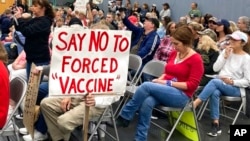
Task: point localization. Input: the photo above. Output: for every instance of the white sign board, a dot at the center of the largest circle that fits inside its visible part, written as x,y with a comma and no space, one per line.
89,61
80,5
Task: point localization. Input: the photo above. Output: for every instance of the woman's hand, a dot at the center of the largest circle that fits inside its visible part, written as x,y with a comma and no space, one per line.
18,13
159,81
228,51
227,80
37,70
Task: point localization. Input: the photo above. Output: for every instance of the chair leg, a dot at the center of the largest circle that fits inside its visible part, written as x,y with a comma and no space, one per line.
203,108
175,124
236,117
114,123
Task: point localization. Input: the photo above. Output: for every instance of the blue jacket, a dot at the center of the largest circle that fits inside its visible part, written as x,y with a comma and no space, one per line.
149,44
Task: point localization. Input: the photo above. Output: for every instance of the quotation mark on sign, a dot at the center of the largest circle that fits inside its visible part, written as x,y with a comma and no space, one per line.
54,76
118,76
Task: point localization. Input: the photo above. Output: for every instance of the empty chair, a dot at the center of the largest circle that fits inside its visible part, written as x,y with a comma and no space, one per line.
17,92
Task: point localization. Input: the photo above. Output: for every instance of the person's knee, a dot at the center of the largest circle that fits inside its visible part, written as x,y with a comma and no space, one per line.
44,103
63,123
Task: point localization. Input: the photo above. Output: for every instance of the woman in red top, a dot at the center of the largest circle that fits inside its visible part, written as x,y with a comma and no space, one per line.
4,86
174,88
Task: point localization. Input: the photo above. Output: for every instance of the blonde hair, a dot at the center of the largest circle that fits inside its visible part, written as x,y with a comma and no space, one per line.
3,54
100,25
196,26
233,26
207,43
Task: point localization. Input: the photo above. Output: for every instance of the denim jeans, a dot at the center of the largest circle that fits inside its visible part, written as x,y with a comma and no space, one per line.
213,90
146,97
43,91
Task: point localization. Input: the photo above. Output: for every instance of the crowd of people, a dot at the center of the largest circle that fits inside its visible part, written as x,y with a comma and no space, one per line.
194,48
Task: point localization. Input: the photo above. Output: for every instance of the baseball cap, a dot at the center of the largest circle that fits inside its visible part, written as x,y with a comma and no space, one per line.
210,33
214,19
74,21
154,5
223,22
154,21
238,35
133,19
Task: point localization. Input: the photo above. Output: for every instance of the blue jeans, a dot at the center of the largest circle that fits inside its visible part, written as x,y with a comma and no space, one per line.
43,91
213,90
146,97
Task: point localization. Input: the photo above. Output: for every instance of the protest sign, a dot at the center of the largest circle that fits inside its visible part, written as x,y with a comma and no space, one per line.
187,125
89,61
29,113
80,5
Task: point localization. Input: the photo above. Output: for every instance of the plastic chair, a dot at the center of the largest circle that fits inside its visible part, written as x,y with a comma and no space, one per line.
18,88
135,63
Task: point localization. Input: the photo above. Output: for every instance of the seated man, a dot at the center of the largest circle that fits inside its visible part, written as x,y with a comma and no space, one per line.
63,115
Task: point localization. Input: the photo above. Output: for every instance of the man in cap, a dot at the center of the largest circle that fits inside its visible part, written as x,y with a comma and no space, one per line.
210,33
212,23
145,40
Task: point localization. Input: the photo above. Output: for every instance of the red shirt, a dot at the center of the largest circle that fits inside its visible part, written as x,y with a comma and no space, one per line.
189,70
4,93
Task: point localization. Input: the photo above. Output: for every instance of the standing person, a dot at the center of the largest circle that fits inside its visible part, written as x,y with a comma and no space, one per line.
233,78
36,32
194,12
174,88
4,86
165,11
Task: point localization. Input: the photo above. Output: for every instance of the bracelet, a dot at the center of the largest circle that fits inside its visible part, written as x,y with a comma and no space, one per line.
169,83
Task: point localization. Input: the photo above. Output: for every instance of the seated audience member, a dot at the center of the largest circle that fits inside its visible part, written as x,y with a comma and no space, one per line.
195,27
4,86
209,53
223,29
174,88
18,67
243,23
63,115
166,47
145,41
234,76
212,23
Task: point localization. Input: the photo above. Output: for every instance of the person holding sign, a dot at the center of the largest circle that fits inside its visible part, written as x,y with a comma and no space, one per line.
36,31
234,76
183,72
63,115
4,86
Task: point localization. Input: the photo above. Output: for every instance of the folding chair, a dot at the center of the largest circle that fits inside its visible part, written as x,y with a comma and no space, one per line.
186,108
223,106
18,88
106,116
135,63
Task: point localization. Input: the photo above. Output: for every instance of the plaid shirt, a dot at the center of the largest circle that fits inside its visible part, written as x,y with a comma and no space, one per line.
164,49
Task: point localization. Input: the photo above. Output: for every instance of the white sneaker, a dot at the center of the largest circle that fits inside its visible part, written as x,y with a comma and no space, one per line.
19,116
38,136
23,131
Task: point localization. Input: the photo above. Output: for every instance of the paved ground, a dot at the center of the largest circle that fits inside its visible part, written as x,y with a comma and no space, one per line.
155,134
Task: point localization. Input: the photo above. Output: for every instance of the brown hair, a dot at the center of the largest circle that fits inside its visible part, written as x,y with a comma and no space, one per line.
48,8
3,54
184,34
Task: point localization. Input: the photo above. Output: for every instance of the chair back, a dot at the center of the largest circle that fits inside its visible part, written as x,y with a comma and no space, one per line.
154,68
18,88
135,63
